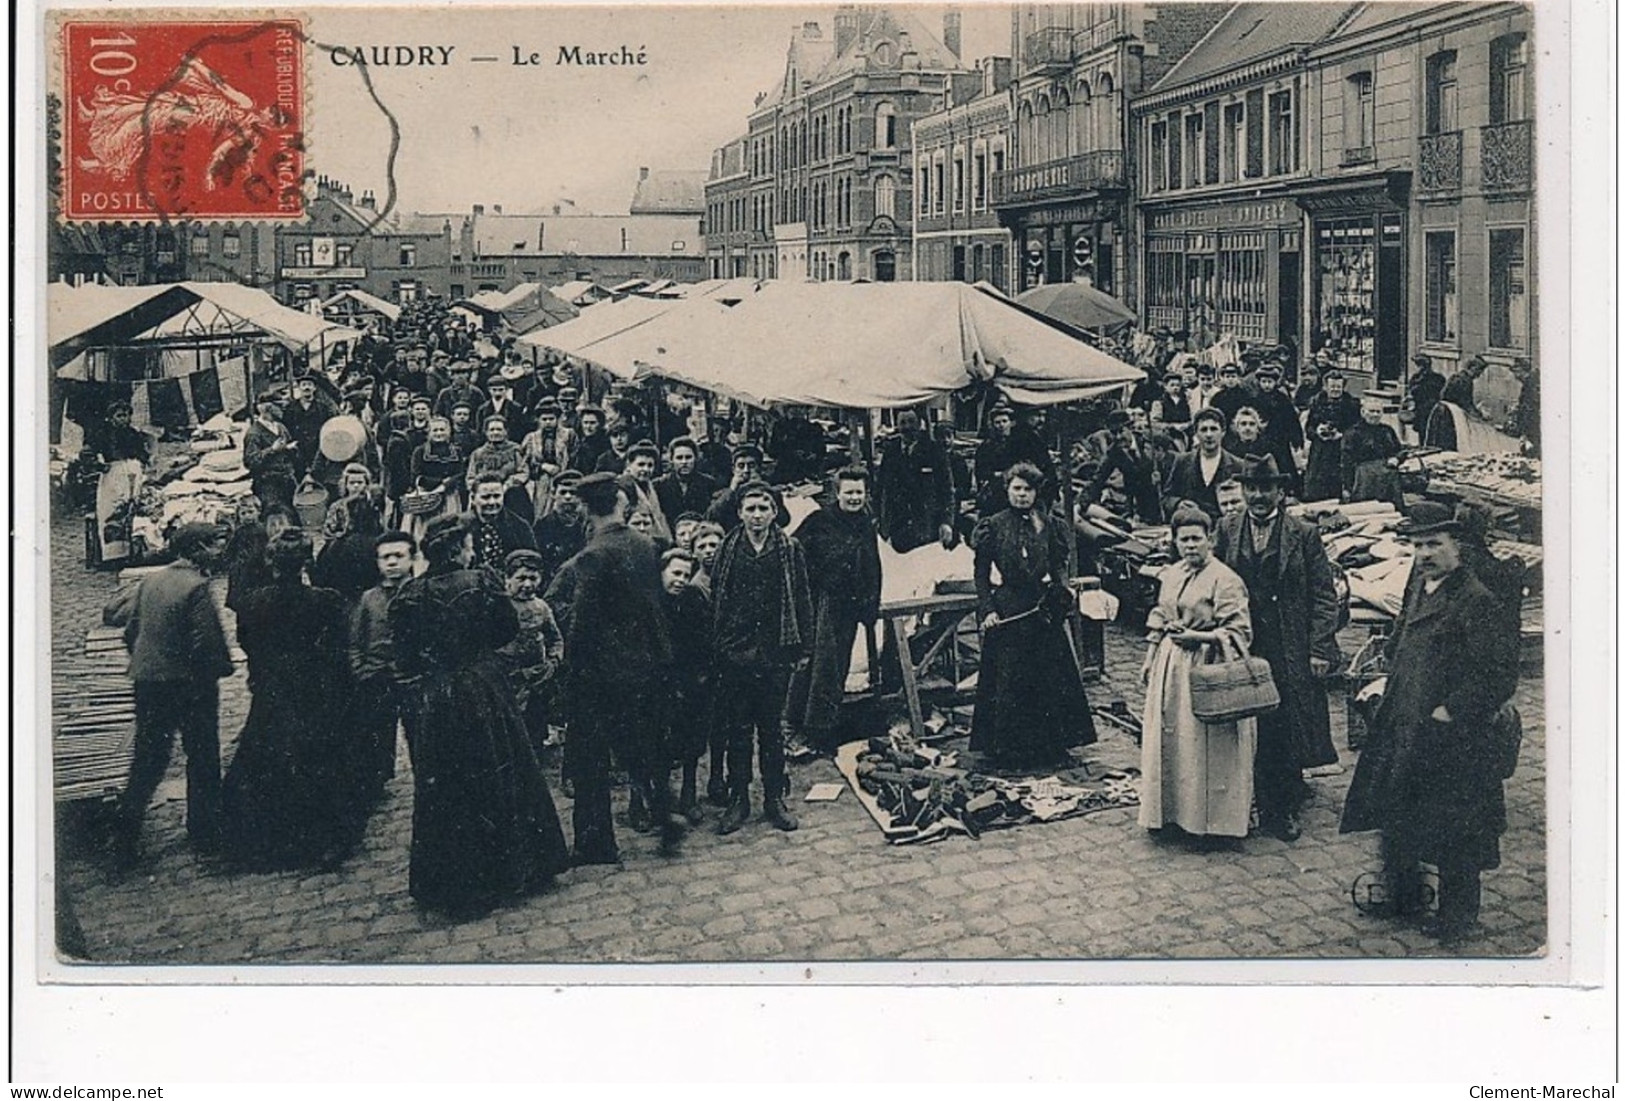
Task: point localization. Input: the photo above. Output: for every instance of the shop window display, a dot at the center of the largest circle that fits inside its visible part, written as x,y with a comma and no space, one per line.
1347,294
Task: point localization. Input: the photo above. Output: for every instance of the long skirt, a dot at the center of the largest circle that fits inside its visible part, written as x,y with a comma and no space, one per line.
1030,704
119,484
1323,475
484,827
818,687
1194,775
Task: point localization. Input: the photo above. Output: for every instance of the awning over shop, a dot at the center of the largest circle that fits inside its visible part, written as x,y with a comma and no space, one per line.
860,346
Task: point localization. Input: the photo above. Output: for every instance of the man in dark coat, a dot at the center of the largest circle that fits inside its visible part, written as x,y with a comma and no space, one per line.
843,570
1282,429
797,446
617,656
747,467
684,488
1128,458
1431,771
270,454
1294,613
1197,474
178,654
561,532
495,531
304,416
462,389
915,488
1005,447
1426,388
503,404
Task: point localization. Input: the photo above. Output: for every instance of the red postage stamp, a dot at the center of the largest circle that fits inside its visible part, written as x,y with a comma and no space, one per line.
182,120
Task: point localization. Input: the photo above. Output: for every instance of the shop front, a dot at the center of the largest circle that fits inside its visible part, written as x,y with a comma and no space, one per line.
1059,243
1225,269
1358,312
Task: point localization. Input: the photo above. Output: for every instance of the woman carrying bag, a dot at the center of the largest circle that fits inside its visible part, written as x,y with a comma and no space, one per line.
1195,775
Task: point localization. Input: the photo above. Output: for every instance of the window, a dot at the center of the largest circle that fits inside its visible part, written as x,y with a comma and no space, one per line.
1255,134
199,245
341,254
1283,135
409,256
1359,118
1441,287
1193,150
1509,295
979,196
885,197
1235,142
937,183
1441,93
998,160
885,127
301,254
959,183
1509,79
1159,156
924,189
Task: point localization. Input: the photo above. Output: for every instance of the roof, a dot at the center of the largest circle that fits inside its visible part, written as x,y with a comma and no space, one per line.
587,235
815,61
1253,32
670,191
367,301
1377,15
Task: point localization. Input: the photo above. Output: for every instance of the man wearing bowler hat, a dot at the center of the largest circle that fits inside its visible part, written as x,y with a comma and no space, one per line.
1294,614
1430,774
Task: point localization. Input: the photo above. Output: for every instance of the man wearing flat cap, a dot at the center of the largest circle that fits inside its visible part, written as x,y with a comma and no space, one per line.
1430,774
1294,612
462,389
269,452
561,531
747,468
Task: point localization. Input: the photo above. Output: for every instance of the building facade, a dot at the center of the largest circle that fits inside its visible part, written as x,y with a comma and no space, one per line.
497,251
957,153
1066,192
344,243
1349,178
1435,104
827,152
728,225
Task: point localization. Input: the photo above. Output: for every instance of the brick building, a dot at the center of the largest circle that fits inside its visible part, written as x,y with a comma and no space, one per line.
1066,192
497,251
957,152
827,151
728,225
344,243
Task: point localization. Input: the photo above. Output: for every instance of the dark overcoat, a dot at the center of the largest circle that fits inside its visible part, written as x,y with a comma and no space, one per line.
609,605
1306,608
1436,785
914,488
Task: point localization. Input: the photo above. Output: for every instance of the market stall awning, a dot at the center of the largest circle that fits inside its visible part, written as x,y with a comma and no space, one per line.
82,318
864,346
581,292
535,308
368,302
596,324
1082,305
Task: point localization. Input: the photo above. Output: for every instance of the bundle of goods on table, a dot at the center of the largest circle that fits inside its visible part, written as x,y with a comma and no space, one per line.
1504,478
201,482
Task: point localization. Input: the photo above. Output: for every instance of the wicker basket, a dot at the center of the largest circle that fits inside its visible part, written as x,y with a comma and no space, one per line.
423,502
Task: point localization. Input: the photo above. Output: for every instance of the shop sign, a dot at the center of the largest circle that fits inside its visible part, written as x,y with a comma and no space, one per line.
1063,215
1269,212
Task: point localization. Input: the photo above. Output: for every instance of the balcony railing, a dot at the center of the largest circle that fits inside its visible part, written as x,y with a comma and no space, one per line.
1047,48
1439,166
1101,170
1507,156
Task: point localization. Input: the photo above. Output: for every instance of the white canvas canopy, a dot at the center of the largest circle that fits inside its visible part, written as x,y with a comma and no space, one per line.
367,302
83,318
860,346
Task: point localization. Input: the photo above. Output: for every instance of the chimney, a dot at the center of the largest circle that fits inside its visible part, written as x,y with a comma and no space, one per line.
369,201
950,30
496,208
479,209
811,30
846,27
995,75
643,174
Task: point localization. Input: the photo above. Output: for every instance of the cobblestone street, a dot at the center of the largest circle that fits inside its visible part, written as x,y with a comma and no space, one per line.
1096,887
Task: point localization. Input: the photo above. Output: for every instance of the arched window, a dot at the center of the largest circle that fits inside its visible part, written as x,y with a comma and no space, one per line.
1061,139
1083,119
885,197
1105,121
1043,147
885,126
1024,136
843,266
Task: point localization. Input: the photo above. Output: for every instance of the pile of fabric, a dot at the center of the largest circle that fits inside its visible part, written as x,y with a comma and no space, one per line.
916,793
1503,476
202,482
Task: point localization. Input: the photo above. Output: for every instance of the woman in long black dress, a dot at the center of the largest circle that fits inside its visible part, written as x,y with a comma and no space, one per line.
1030,705
484,828
290,797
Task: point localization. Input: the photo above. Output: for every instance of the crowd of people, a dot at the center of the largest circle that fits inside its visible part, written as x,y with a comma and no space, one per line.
508,571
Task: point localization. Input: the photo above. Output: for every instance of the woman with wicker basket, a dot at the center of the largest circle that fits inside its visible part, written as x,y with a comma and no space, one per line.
1194,775
437,480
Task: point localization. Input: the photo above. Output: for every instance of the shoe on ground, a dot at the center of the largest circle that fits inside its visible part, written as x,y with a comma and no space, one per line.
638,818
797,749
737,814
579,859
671,836
779,815
716,793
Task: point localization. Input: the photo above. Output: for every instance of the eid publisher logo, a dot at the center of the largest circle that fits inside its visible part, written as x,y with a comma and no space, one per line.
1370,895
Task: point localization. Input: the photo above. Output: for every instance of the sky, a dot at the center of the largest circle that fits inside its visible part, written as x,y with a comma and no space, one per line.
525,136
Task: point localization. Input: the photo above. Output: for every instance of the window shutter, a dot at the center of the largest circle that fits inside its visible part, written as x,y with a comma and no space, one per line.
1255,133
1210,143
1176,141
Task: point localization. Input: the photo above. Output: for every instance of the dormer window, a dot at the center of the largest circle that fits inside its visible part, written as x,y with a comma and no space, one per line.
883,53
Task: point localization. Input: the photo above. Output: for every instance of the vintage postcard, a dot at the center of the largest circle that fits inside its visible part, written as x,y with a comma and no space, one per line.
511,468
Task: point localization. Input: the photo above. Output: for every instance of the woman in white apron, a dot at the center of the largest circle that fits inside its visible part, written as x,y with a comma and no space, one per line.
124,448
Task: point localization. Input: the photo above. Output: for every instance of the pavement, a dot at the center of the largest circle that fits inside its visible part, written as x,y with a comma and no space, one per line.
1096,887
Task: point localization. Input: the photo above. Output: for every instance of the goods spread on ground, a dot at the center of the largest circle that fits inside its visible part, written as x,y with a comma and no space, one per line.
1503,477
917,793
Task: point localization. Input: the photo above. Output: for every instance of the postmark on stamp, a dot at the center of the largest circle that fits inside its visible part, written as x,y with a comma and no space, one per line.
168,120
